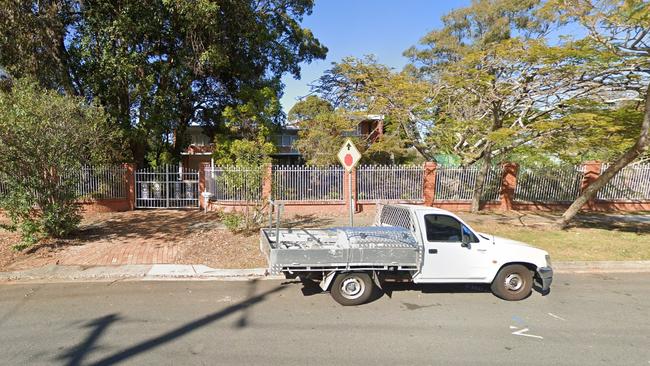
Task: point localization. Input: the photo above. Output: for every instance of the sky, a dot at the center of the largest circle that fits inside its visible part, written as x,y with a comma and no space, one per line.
384,28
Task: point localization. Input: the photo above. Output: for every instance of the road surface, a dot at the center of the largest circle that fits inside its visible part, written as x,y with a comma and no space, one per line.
586,320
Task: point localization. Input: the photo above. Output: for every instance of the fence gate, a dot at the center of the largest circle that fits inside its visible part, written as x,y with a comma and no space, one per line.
169,186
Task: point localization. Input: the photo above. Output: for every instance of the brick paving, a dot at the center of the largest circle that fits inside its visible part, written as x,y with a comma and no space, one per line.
138,237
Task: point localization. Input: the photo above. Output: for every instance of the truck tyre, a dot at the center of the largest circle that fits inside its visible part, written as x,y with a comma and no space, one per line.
513,283
350,289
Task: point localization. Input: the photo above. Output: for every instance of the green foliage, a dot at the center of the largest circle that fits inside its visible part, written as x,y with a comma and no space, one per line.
363,86
233,221
158,66
320,138
309,108
44,136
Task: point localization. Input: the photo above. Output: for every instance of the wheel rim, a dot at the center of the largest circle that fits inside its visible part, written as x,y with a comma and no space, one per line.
352,288
514,282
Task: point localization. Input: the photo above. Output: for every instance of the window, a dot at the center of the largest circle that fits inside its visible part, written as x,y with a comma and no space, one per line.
445,228
442,228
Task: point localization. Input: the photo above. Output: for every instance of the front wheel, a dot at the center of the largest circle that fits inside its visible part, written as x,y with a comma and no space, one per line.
513,283
351,289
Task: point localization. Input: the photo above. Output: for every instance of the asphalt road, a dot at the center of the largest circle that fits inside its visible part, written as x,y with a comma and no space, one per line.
586,320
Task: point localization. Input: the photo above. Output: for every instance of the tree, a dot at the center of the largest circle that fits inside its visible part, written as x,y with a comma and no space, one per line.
618,32
363,86
45,138
308,109
321,137
158,66
502,83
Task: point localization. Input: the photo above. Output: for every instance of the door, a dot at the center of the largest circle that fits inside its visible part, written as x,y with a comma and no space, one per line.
446,259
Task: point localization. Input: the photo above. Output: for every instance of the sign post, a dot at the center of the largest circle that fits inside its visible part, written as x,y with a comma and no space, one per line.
349,156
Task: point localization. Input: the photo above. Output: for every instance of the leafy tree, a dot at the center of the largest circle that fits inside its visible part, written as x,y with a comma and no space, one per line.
502,83
321,137
45,138
309,108
158,66
619,34
363,86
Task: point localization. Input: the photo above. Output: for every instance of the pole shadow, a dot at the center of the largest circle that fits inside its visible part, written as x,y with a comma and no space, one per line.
77,354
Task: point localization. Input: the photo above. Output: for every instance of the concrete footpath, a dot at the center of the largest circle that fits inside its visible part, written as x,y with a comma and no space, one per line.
57,273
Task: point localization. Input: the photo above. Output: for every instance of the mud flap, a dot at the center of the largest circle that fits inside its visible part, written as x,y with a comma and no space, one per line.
327,280
375,278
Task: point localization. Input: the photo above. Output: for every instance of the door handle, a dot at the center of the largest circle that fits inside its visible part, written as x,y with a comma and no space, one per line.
433,251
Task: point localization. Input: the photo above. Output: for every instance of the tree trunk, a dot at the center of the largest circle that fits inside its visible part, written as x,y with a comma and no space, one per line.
479,185
640,147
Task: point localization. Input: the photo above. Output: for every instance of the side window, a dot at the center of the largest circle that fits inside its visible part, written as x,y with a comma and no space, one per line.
442,228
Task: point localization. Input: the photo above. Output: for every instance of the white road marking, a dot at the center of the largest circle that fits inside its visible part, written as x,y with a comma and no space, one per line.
521,332
513,327
557,317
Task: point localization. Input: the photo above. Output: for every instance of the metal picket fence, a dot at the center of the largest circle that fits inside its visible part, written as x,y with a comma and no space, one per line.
632,183
559,184
92,182
99,182
390,183
307,183
233,183
458,183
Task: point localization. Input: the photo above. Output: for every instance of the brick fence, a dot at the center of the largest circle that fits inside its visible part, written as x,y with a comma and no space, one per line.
125,203
505,201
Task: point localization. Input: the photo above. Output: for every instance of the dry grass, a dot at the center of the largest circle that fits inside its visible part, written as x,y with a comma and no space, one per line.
202,239
593,237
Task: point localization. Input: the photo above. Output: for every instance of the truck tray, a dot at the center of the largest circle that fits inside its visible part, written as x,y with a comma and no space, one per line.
346,248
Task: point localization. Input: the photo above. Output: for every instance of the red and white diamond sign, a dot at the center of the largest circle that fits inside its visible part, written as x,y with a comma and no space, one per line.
349,156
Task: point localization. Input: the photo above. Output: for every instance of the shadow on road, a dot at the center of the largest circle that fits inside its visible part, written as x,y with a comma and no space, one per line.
98,326
77,354
310,288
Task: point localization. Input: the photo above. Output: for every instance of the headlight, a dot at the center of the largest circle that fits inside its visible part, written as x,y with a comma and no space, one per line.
548,260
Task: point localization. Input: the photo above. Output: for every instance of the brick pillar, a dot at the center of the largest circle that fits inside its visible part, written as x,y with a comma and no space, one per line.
267,183
129,178
592,170
429,191
508,185
202,185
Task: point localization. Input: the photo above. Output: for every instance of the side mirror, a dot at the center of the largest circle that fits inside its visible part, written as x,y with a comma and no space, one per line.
465,238
465,241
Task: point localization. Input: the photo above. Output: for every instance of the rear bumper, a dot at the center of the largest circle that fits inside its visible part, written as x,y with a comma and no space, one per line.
544,278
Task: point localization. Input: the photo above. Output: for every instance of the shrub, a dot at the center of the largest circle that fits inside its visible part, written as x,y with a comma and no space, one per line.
44,136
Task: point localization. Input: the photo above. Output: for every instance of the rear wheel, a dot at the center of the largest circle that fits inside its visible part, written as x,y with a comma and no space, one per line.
513,283
352,288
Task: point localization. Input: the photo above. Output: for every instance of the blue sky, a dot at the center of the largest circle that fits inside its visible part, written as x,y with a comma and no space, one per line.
383,28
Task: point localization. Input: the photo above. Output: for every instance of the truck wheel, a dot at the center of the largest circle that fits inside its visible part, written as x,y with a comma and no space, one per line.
352,288
513,283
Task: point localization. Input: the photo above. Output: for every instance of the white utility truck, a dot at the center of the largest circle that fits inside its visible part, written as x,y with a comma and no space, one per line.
406,243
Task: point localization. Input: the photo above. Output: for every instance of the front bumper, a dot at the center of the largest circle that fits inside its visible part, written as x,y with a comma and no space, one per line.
544,278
